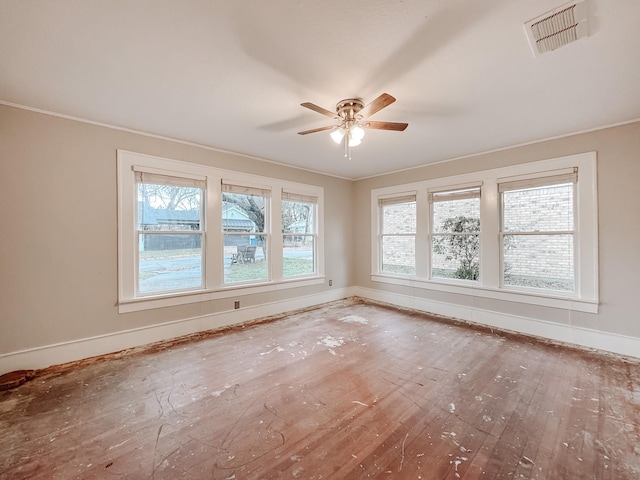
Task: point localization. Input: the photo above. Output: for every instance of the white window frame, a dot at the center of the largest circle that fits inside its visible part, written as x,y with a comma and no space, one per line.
457,193
292,196
395,199
586,296
130,301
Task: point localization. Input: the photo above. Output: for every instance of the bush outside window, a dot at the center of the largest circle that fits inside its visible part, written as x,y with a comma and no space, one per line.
455,234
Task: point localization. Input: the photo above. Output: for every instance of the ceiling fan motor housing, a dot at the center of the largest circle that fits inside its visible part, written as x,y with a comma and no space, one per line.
348,109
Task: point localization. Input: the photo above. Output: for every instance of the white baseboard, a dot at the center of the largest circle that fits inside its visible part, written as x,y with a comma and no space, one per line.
56,354
583,337
42,357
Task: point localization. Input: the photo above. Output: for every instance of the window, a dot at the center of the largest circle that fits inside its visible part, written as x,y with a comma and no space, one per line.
398,234
190,233
527,233
298,234
537,236
455,233
170,234
245,220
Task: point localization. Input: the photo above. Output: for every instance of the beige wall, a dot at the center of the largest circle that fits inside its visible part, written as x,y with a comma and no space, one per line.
58,251
618,152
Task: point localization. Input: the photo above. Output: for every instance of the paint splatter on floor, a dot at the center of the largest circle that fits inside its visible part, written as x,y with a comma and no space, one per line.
354,319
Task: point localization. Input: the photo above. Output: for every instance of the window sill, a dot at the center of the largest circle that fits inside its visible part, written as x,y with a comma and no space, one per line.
182,298
516,296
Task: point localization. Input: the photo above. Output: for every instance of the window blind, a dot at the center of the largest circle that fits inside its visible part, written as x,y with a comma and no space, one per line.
448,195
297,197
557,177
159,179
245,190
395,200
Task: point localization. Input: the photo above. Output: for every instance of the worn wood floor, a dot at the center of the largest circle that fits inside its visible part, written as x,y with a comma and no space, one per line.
348,390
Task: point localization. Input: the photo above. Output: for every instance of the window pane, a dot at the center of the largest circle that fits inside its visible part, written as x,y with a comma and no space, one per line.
167,207
169,262
399,254
542,209
298,255
297,217
456,216
456,256
243,213
245,261
539,261
298,243
243,218
399,218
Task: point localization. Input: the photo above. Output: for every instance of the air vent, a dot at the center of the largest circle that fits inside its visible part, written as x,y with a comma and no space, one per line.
557,28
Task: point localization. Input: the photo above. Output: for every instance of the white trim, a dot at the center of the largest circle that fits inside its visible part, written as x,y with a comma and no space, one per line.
583,337
215,288
227,291
56,354
586,297
470,288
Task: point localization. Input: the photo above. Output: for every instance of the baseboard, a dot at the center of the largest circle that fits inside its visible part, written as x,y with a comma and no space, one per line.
42,357
583,337
56,354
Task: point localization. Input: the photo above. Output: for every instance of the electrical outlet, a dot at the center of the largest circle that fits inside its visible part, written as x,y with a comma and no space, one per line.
331,283
236,304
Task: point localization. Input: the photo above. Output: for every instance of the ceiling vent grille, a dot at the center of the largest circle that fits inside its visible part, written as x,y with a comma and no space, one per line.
557,28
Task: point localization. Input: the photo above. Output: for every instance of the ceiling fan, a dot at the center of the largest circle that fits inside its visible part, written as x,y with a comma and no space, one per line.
351,115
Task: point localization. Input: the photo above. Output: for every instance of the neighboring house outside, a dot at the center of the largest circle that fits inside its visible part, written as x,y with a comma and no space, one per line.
234,219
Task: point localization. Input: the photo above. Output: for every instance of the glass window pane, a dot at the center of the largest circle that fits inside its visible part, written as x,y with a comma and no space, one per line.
539,261
542,209
456,256
297,217
244,258
169,262
298,255
243,213
457,216
399,254
399,218
167,207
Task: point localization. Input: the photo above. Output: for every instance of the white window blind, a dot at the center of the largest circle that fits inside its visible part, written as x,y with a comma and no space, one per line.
297,197
449,195
159,179
558,177
245,190
411,197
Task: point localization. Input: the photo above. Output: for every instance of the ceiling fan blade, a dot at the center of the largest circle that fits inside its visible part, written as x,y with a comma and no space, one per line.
314,130
378,104
386,125
318,109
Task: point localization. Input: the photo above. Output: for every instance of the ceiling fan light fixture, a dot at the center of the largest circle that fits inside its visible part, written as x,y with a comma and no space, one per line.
337,135
356,133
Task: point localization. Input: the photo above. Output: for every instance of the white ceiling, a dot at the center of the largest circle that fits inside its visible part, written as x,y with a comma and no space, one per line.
232,74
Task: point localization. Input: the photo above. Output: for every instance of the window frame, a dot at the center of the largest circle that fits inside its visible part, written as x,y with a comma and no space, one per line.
156,179
546,180
397,199
586,295
214,286
286,195
460,192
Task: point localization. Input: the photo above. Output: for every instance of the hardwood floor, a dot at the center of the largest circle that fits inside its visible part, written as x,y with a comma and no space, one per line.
348,390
